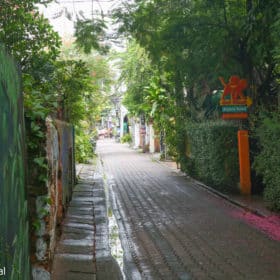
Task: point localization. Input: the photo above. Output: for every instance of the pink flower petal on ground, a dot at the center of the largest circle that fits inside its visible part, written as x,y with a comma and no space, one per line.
269,225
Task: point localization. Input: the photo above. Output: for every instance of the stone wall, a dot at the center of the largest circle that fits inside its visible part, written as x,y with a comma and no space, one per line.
61,167
51,206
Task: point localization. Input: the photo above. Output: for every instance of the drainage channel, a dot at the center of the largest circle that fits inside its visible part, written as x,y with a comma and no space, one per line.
114,233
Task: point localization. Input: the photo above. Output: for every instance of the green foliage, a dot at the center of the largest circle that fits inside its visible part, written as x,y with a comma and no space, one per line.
34,44
84,149
97,85
69,88
53,87
72,82
27,34
148,92
39,101
32,41
198,41
212,154
275,29
126,138
36,225
267,163
72,89
36,159
87,83
89,34
195,42
136,73
202,40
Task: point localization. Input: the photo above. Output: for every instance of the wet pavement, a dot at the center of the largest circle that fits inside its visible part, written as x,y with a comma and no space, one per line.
172,229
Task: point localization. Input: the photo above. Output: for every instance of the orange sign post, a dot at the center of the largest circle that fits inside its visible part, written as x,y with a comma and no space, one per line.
244,161
234,107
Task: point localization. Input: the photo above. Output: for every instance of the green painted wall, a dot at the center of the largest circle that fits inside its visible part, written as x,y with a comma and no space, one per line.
14,232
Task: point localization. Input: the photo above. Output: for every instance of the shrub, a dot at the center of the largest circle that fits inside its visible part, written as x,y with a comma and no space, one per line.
126,138
83,146
267,163
213,154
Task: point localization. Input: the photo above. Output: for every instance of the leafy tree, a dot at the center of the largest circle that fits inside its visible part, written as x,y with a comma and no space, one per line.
92,96
136,71
89,35
197,41
148,90
99,80
201,40
26,33
72,82
275,29
29,37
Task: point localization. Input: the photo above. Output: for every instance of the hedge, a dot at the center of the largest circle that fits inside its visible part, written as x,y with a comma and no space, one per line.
212,154
267,163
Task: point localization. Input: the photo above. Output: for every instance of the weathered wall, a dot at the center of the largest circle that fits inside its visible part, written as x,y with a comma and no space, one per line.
61,173
14,229
53,182
52,199
66,160
61,166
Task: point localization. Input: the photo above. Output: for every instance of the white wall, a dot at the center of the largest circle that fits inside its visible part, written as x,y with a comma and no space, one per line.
136,135
147,136
152,138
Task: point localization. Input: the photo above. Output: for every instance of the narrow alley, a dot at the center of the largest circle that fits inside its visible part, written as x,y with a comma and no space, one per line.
139,140
172,229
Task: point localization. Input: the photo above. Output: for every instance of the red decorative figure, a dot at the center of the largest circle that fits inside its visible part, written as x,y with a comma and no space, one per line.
234,88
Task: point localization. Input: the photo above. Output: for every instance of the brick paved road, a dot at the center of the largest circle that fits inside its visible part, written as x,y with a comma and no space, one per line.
175,230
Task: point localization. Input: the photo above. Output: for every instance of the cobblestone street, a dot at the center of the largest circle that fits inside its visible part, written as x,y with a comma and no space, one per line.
172,229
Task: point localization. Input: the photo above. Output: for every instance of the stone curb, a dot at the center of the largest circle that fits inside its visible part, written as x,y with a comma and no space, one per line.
74,256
